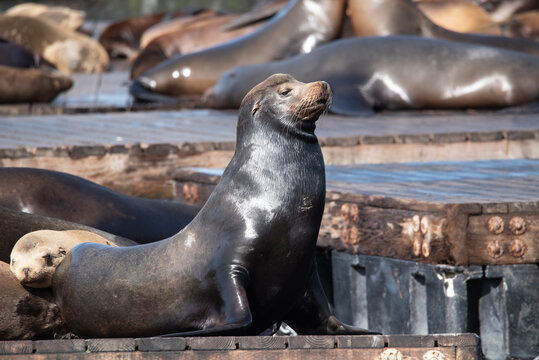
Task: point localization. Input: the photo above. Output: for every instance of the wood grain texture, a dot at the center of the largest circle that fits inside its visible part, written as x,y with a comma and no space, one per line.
370,209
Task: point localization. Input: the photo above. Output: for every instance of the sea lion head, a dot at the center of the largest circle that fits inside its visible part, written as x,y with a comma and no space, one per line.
286,103
35,256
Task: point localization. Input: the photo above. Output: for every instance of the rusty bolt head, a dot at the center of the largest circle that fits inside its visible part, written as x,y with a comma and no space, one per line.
416,245
391,354
495,249
425,225
345,211
425,249
517,248
190,193
517,225
351,235
495,225
354,213
416,223
433,355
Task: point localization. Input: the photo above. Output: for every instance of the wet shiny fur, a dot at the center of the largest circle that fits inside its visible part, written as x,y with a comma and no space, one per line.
245,262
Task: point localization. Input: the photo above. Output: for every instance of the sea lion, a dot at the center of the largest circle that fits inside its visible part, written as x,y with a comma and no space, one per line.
15,224
30,85
298,28
72,198
122,38
402,17
245,262
399,72
62,16
68,50
198,35
26,313
17,56
459,16
36,255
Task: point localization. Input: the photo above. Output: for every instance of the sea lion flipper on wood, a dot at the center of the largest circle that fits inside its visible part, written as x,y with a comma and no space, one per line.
312,315
233,281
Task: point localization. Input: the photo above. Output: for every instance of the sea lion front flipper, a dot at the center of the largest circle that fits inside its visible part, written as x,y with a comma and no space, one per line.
347,100
232,282
312,315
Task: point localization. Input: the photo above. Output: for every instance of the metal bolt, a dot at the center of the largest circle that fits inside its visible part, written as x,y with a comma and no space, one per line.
190,193
517,225
433,355
425,225
495,249
354,213
517,248
416,223
345,211
495,225
425,249
391,354
351,235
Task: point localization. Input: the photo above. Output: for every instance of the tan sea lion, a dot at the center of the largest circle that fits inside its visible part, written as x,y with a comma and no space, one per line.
197,35
36,255
298,28
62,16
402,17
173,25
68,50
30,85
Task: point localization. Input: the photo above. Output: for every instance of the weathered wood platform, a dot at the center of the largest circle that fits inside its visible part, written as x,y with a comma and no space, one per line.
134,151
427,347
463,213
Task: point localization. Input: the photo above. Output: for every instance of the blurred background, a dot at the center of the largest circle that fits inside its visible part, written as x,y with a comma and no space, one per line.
121,9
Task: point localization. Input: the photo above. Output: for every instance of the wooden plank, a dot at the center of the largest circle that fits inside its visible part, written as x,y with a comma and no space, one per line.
59,346
263,342
212,343
312,342
156,344
16,347
307,354
111,345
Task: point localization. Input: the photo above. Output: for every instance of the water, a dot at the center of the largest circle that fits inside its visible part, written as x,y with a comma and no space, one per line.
121,9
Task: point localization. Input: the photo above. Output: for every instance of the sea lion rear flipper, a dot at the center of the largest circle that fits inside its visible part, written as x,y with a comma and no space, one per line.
312,315
232,282
347,100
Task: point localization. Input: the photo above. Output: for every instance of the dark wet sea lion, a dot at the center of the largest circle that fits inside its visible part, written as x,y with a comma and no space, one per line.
68,50
30,85
198,35
15,224
297,28
69,197
26,314
402,17
245,262
399,72
17,56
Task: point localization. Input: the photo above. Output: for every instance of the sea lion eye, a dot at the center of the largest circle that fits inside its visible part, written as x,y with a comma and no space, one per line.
285,92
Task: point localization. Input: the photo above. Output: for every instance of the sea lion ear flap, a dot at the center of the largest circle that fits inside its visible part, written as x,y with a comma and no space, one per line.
255,109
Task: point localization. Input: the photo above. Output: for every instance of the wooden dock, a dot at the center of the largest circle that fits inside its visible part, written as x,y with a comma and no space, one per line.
412,347
135,151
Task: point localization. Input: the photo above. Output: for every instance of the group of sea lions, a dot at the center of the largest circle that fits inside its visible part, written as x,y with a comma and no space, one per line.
240,265
394,33
39,48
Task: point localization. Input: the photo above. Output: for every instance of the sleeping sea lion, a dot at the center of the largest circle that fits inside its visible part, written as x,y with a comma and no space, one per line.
72,198
402,17
36,255
399,72
298,28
